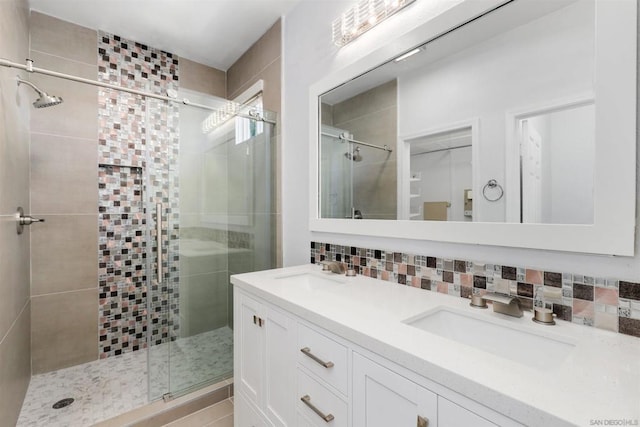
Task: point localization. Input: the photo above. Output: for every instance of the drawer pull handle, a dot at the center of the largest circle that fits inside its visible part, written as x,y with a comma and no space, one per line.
307,401
422,421
307,352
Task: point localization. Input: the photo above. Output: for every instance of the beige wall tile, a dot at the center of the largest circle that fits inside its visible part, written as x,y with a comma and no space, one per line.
366,103
201,78
64,39
14,145
255,59
77,116
63,175
64,252
14,24
14,265
15,368
15,316
64,330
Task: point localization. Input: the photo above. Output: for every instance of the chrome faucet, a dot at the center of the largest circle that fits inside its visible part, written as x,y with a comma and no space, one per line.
334,267
504,304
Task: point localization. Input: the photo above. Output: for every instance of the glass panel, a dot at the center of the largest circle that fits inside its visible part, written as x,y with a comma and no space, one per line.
336,173
218,216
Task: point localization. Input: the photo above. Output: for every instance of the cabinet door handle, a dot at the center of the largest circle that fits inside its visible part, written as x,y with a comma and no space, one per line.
422,421
307,352
307,401
255,319
260,322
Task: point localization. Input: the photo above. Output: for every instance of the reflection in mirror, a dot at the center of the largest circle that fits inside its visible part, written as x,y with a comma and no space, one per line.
514,87
358,161
556,166
440,181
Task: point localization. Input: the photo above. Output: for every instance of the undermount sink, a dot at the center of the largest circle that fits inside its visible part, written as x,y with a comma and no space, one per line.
490,335
311,281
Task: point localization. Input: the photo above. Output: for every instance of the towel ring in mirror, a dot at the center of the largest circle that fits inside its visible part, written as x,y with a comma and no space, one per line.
491,184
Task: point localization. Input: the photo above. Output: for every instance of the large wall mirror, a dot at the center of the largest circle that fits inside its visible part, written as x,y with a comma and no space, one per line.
509,117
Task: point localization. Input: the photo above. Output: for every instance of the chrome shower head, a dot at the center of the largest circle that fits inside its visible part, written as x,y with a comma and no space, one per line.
44,100
355,155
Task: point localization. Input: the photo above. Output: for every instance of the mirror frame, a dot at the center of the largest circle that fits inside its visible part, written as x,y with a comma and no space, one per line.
613,230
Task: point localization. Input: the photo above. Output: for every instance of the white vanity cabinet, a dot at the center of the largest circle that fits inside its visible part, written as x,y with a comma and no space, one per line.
382,398
289,372
264,339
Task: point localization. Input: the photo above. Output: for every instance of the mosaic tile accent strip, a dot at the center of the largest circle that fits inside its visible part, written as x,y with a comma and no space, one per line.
605,303
122,257
138,143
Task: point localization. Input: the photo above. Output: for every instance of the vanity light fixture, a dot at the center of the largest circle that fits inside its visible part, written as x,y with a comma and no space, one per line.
407,55
363,16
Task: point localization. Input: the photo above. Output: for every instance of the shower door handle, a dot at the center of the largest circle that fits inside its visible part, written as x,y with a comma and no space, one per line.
159,239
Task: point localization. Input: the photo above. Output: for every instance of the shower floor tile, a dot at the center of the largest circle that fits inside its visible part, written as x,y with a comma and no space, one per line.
105,388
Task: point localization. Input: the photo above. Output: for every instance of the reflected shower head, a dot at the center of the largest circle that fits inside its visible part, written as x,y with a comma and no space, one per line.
355,155
44,100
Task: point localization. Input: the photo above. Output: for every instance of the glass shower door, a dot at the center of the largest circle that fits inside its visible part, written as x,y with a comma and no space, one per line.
219,221
336,175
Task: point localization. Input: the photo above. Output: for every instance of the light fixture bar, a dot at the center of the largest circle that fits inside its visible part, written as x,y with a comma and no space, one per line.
407,55
365,15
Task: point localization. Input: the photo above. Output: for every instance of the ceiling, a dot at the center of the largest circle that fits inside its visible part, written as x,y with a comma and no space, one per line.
211,32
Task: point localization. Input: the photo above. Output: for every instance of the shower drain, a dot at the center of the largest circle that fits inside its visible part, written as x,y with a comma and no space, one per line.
63,403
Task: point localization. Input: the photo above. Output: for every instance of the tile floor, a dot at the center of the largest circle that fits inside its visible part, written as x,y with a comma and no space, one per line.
108,387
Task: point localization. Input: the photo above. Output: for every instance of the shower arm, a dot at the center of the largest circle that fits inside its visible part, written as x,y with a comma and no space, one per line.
31,69
28,83
344,137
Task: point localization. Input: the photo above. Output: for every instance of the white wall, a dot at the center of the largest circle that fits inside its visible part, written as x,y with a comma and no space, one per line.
310,55
444,177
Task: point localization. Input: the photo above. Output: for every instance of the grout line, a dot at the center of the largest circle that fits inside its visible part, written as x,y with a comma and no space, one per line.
64,136
252,79
65,292
15,321
75,61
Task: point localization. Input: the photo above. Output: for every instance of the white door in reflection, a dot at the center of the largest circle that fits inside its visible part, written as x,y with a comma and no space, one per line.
531,149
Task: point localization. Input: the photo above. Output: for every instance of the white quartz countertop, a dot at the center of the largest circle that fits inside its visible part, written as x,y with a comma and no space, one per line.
597,383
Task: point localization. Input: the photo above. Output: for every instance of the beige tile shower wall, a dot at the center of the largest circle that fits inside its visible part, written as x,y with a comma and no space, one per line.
15,107
263,61
372,117
201,78
64,190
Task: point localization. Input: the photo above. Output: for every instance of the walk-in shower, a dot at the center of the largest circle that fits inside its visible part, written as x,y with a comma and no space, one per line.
180,207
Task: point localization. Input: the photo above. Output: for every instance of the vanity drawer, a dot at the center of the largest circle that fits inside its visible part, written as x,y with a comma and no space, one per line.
324,357
319,405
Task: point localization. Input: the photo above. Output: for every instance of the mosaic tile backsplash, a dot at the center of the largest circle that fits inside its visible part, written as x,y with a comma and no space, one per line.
138,143
605,303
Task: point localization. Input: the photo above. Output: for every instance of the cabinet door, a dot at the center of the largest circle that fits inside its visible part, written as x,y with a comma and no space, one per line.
452,415
244,415
382,398
279,347
249,348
